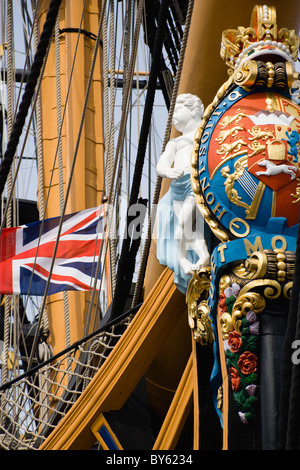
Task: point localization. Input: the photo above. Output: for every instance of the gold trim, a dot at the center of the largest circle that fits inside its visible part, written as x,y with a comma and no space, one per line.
276,264
252,213
101,421
178,412
287,290
274,199
225,384
124,367
255,267
198,312
195,183
196,436
238,43
245,302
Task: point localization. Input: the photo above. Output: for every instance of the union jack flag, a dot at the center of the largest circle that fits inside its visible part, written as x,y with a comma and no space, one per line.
26,254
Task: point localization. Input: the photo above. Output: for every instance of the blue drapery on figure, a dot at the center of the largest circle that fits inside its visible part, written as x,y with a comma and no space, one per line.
166,220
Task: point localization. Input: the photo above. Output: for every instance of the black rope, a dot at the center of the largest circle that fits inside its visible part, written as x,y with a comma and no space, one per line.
28,92
118,301
86,33
287,406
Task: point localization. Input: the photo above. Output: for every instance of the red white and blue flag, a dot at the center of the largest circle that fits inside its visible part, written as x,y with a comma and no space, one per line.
26,254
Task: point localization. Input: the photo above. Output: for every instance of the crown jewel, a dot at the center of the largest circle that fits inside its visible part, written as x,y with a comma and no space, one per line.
261,39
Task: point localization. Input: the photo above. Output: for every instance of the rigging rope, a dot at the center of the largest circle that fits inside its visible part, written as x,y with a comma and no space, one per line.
28,92
40,320
145,253
11,114
68,188
7,304
109,129
43,321
117,167
39,146
124,276
60,164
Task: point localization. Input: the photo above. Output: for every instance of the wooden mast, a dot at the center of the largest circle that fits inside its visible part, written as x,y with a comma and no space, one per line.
87,182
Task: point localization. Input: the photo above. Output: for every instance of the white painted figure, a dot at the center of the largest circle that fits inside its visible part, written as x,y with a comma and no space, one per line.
178,216
273,169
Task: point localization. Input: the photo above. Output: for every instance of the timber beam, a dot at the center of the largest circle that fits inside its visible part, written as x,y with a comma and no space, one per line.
124,367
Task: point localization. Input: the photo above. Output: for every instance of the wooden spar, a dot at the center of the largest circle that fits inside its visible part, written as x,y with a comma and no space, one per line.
87,181
203,74
123,369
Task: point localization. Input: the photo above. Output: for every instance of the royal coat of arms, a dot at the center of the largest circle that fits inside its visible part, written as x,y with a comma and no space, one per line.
249,161
246,159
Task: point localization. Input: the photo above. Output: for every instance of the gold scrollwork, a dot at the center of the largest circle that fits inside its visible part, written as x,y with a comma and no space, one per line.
287,290
250,301
202,325
220,398
224,282
256,265
245,302
226,324
198,310
246,74
268,264
257,73
272,288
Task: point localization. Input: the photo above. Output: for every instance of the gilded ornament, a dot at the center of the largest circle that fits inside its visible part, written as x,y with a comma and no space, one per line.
257,265
198,310
203,331
272,288
226,324
266,267
220,398
246,302
242,44
224,282
297,195
246,159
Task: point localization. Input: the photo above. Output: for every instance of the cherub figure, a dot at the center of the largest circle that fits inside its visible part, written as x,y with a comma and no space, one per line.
180,239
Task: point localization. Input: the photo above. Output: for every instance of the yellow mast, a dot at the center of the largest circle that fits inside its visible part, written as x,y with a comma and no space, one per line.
87,181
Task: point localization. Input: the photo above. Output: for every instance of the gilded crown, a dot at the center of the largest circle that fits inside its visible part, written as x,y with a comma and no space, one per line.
260,41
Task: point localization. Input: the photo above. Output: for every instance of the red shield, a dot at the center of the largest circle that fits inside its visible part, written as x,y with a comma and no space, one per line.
259,135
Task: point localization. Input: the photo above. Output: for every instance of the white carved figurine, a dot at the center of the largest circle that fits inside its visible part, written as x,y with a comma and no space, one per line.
178,216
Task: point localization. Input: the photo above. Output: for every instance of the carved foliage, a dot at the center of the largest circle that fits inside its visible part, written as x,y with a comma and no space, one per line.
198,310
239,320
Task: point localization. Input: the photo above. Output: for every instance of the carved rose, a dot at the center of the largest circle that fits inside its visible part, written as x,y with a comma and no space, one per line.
234,341
222,306
247,362
234,379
